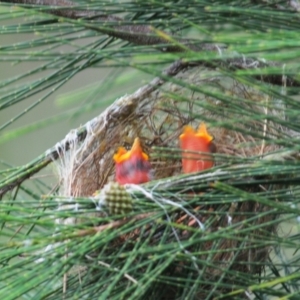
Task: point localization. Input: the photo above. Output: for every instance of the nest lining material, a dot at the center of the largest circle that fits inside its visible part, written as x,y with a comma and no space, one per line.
241,121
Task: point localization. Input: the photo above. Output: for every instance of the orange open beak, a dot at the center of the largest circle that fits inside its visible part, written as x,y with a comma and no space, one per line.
132,166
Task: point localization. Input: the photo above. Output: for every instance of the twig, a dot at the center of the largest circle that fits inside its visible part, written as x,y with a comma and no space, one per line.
130,278
147,35
112,225
118,109
137,34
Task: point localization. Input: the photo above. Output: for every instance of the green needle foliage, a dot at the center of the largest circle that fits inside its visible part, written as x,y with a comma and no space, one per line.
229,232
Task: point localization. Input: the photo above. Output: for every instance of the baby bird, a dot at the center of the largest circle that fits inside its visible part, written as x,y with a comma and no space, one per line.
196,141
132,166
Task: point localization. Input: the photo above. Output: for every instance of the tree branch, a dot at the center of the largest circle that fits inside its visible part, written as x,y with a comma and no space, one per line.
147,36
117,110
137,34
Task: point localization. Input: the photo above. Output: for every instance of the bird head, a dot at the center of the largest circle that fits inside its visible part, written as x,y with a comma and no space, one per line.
132,166
197,141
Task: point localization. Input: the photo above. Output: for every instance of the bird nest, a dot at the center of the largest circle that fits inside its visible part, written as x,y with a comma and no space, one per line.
211,223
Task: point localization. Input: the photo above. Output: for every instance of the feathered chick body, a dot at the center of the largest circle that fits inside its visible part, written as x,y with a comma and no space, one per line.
196,141
132,166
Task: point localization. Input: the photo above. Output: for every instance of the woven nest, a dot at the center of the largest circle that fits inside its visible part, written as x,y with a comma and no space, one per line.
158,119
241,121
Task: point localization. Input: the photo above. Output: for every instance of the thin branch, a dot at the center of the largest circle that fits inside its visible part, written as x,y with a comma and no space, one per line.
102,263
112,225
146,35
123,106
136,34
